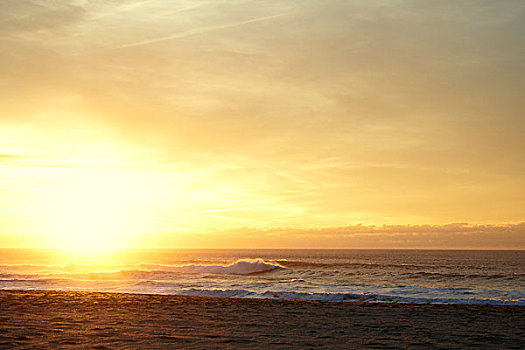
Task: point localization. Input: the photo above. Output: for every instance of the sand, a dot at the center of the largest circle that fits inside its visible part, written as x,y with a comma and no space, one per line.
47,319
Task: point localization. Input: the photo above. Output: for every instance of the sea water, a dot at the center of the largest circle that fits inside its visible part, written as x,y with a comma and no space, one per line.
393,276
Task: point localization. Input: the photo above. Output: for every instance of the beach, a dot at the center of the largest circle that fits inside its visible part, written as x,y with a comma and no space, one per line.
52,319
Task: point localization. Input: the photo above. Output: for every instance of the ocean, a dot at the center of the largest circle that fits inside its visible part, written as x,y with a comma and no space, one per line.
376,276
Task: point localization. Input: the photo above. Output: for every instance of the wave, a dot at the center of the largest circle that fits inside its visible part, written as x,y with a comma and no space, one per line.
240,267
278,295
369,298
440,275
298,263
293,280
402,294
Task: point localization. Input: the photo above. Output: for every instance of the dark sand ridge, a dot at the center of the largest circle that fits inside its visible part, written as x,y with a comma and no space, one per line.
48,319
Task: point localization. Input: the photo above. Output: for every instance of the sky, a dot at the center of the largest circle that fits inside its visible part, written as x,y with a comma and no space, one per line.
262,124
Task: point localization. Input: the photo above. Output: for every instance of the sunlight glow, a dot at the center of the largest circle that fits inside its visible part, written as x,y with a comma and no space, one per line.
213,124
92,211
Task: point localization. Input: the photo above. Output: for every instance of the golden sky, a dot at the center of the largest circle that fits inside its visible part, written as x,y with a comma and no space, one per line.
262,123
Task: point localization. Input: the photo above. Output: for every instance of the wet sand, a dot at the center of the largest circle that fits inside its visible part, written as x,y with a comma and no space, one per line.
38,320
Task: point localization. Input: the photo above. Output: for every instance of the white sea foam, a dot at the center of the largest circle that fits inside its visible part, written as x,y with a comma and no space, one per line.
374,298
166,288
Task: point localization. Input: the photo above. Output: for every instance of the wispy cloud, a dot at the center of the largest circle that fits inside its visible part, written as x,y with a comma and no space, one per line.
32,18
128,7
196,31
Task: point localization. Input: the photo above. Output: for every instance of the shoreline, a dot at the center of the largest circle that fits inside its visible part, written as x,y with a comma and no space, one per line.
284,300
304,296
43,319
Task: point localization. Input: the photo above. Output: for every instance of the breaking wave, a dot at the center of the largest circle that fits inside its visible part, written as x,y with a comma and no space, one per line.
240,267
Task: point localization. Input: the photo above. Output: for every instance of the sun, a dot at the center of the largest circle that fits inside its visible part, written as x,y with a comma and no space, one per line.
93,211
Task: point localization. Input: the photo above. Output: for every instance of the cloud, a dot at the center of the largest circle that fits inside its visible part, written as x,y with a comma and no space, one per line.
336,112
31,17
447,236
